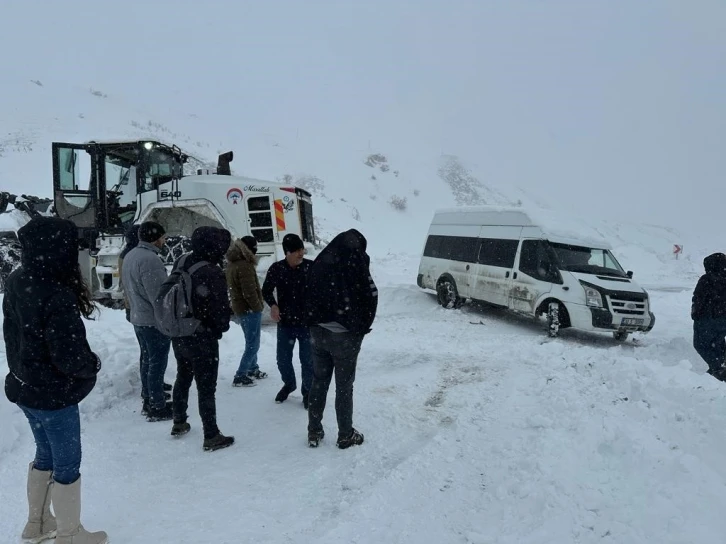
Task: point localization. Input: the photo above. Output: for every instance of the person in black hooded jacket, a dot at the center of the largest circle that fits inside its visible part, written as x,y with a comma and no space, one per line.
708,312
51,370
197,356
341,303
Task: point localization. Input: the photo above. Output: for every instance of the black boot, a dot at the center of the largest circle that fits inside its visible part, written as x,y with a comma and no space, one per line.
179,429
218,442
162,414
168,387
355,439
314,438
284,393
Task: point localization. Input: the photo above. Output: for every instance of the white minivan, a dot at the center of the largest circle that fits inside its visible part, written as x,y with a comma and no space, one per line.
534,263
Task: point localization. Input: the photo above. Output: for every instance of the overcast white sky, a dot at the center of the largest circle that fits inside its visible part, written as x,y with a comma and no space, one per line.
609,104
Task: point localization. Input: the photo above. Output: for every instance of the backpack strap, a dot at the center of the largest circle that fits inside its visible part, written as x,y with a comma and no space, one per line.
196,267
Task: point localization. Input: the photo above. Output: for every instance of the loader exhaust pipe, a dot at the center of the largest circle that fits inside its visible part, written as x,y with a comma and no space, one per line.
223,168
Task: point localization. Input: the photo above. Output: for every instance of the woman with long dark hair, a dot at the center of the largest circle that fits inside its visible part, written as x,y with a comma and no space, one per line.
52,369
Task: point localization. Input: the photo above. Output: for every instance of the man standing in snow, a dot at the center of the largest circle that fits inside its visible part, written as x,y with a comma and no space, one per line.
197,356
246,297
142,276
708,312
287,310
341,305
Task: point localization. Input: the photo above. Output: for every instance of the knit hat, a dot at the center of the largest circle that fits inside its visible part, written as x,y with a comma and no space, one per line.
150,232
250,242
292,243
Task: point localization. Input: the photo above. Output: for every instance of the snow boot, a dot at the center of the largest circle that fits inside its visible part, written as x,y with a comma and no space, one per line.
67,507
314,438
284,393
355,439
163,414
218,442
257,374
41,523
243,381
179,429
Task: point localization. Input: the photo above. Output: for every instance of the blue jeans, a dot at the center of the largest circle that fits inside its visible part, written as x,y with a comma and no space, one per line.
154,358
57,441
251,324
286,337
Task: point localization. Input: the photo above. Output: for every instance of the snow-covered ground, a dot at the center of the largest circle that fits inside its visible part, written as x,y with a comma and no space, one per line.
478,430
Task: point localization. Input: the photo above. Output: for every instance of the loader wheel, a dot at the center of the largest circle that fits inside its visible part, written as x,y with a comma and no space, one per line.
9,256
447,293
175,247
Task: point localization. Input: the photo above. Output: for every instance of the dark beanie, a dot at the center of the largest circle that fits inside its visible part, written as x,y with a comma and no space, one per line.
291,243
150,232
250,242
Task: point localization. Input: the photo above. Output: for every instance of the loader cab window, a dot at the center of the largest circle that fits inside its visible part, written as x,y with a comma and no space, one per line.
74,169
161,167
306,221
260,218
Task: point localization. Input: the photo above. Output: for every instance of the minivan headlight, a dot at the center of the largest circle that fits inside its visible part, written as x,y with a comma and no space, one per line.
593,297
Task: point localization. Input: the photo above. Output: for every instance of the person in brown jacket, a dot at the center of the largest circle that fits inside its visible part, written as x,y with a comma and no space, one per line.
246,298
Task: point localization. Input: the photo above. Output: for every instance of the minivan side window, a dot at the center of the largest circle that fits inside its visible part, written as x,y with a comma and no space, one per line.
453,248
536,261
495,252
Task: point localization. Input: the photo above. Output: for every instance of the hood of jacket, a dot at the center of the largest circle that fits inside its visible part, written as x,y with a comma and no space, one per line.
239,251
50,246
211,244
715,264
346,248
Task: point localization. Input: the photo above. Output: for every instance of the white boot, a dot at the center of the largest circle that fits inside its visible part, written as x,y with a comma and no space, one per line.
67,508
41,523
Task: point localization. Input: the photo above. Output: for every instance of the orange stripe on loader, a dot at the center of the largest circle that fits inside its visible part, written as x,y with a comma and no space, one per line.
279,215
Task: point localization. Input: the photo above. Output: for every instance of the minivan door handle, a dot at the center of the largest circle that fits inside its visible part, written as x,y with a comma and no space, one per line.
467,267
515,276
507,274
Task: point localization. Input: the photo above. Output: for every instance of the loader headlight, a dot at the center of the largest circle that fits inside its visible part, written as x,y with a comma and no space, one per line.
593,297
148,145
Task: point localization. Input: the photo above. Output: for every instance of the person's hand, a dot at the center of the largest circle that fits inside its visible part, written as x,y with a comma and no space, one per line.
275,313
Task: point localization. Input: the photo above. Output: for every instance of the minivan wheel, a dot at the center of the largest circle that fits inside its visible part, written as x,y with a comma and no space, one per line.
554,316
448,294
621,336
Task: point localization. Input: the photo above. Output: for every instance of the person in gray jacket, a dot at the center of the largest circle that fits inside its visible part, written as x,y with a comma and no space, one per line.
142,276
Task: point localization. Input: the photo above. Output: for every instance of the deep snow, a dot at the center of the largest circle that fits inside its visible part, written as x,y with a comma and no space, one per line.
478,430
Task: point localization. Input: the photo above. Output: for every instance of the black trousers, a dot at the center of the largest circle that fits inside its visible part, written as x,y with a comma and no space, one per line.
197,359
334,353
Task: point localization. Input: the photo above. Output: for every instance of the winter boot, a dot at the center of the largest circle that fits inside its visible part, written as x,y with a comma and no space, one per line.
257,374
41,523
284,393
163,414
243,381
179,429
218,442
355,439
67,507
145,407
314,438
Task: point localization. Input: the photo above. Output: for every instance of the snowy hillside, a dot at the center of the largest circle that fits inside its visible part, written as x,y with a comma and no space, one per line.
390,199
478,430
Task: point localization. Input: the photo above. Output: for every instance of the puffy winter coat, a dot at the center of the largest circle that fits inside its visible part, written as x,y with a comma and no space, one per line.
244,286
340,286
210,300
709,297
142,276
51,366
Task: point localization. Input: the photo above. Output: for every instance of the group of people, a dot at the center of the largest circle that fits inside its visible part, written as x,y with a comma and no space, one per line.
327,306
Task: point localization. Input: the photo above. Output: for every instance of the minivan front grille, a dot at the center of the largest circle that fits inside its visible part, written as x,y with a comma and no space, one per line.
628,307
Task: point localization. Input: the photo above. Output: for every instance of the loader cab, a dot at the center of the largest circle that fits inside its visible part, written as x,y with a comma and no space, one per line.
99,186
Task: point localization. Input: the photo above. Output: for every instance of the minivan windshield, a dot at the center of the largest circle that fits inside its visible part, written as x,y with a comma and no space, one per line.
588,260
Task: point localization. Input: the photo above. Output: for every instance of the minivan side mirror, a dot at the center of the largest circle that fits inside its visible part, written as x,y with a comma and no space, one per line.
630,274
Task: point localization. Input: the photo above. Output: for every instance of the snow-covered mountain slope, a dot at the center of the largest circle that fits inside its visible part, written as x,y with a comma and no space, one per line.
390,199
